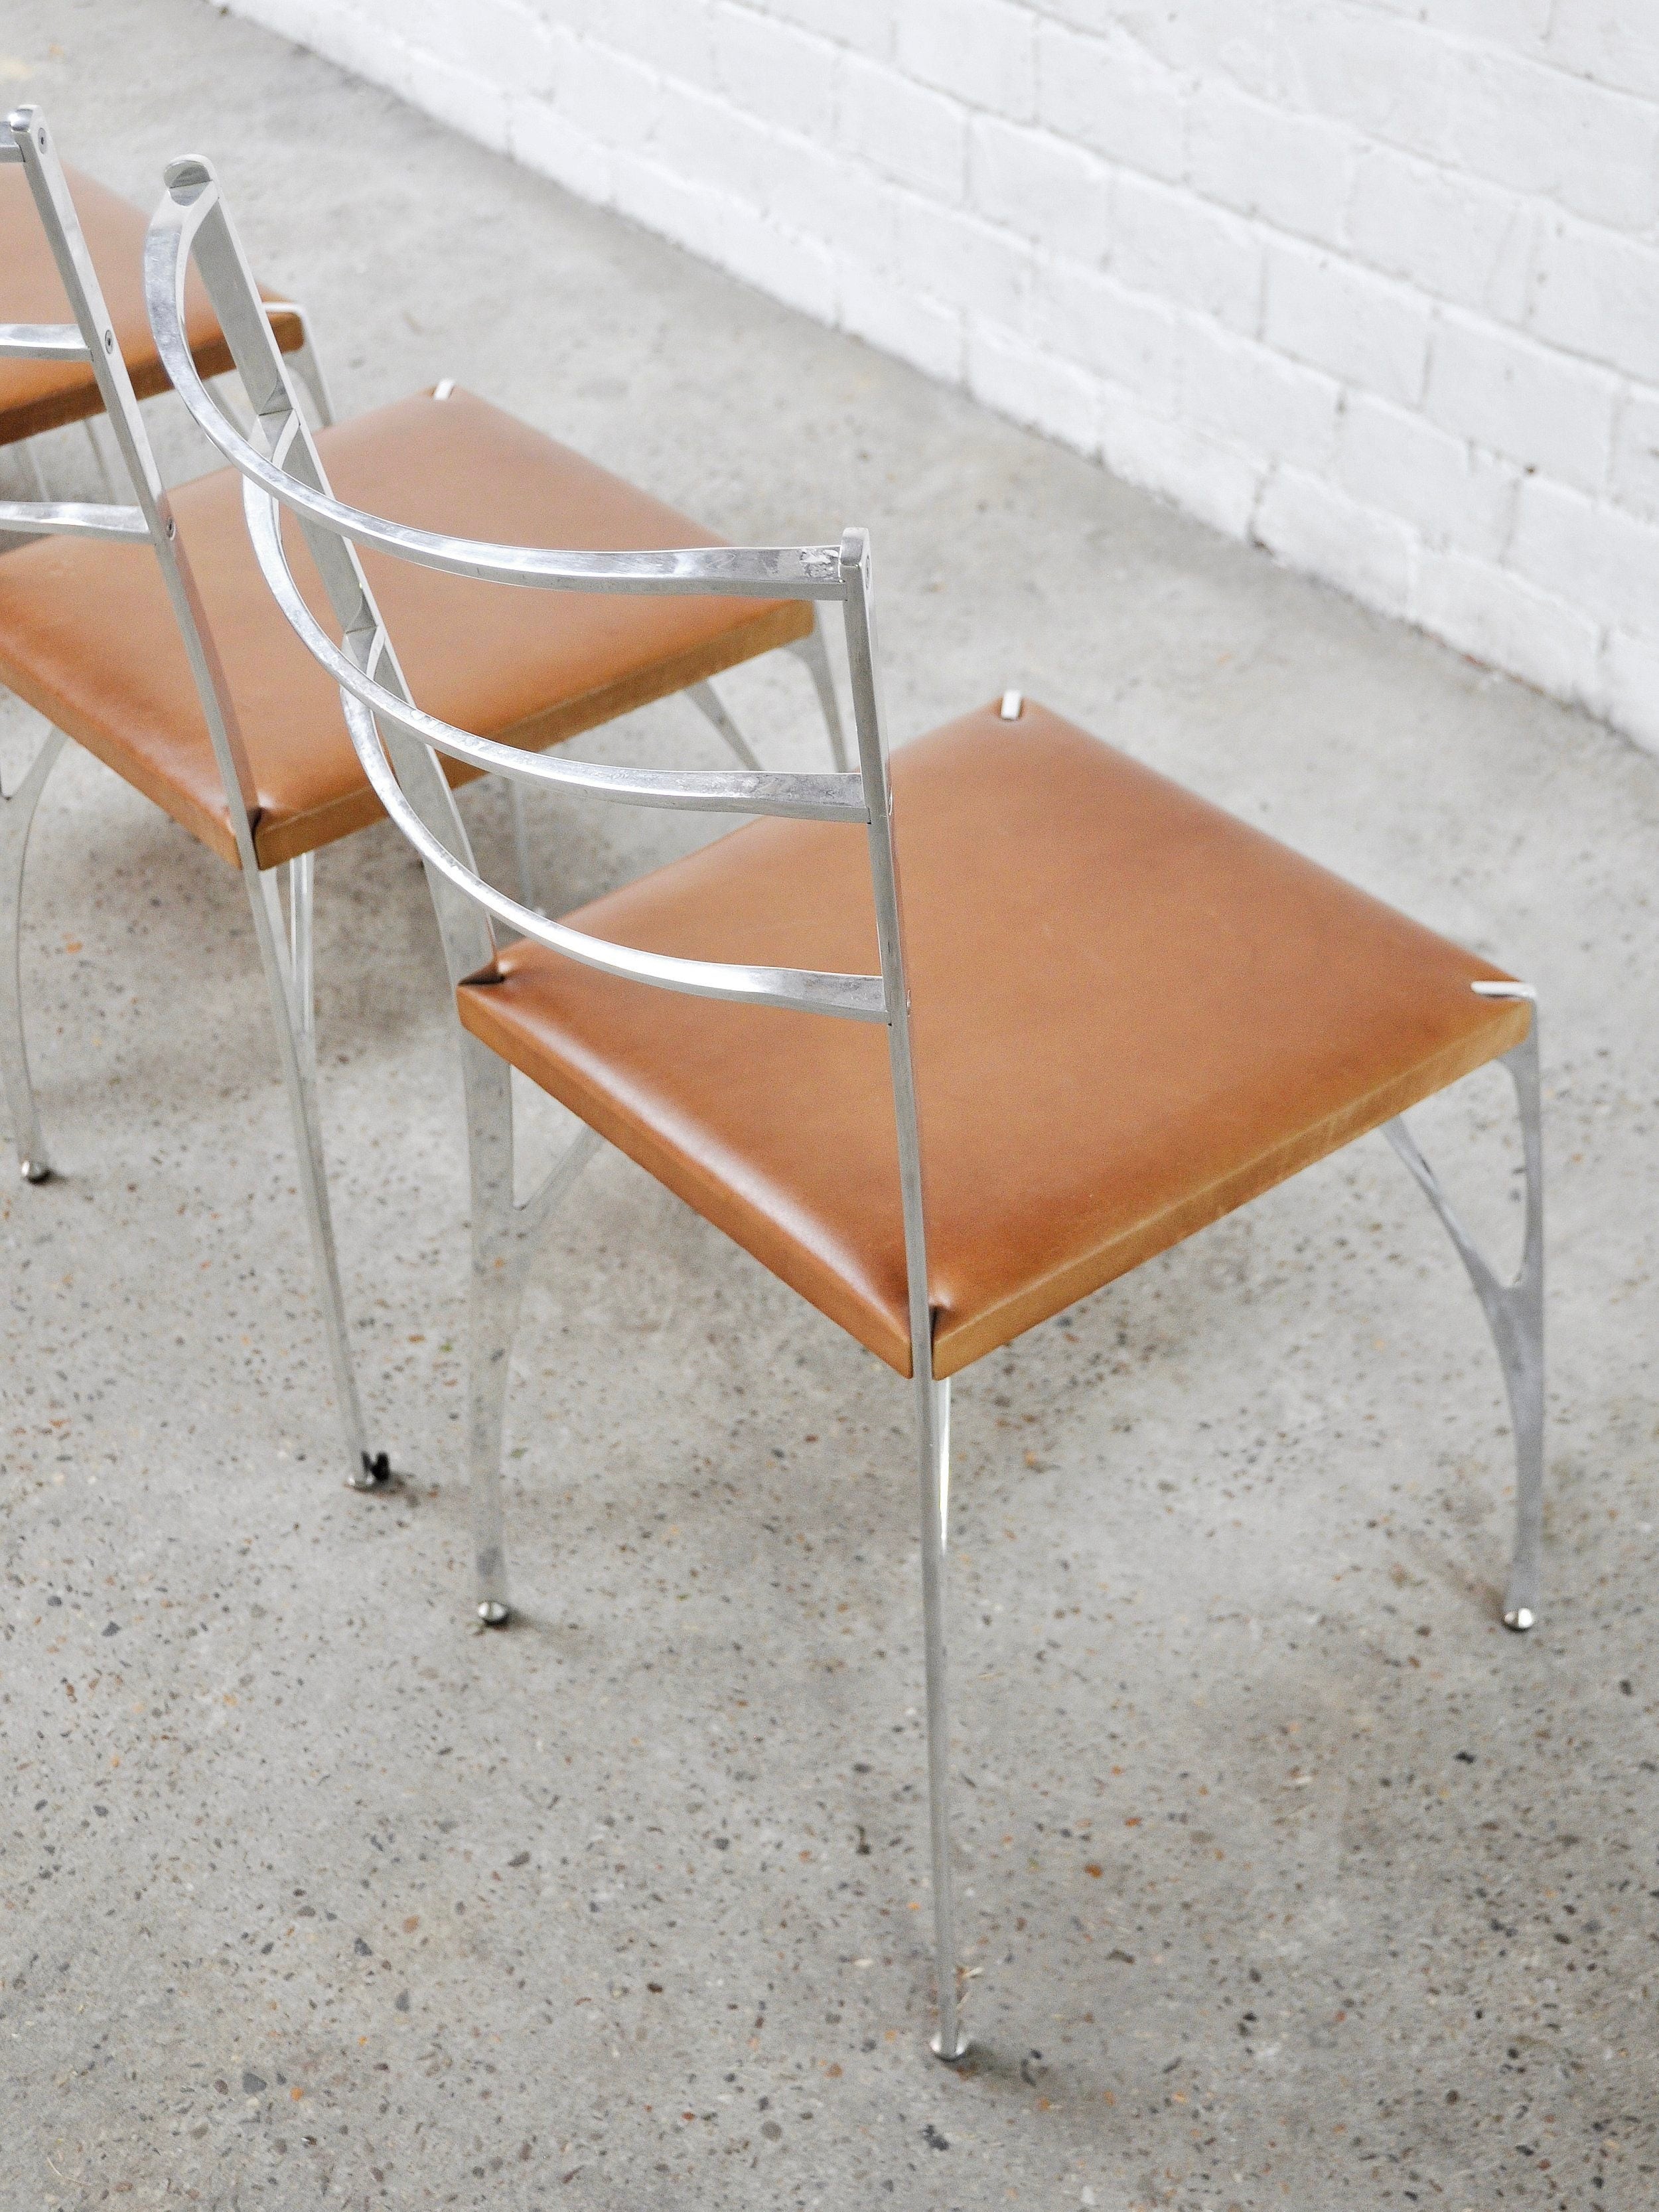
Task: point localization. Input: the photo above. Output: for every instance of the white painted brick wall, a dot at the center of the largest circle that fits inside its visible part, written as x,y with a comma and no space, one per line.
1373,282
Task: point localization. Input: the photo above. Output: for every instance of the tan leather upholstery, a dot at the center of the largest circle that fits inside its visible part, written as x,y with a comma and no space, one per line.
39,395
1132,1013
87,637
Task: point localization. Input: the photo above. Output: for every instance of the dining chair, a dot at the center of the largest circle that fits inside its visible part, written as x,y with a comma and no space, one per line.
42,390
1047,1015
143,630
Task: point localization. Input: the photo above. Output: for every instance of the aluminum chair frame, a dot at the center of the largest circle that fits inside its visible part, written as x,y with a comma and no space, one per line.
398,745
285,941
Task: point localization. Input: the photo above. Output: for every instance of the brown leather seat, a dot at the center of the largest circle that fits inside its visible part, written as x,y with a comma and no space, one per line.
87,635
1131,1012
40,395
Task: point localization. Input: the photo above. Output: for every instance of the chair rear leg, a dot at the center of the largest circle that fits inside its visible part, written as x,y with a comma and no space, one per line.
504,1238
16,816
522,857
933,1444
495,1294
811,650
296,1050
1514,1314
704,697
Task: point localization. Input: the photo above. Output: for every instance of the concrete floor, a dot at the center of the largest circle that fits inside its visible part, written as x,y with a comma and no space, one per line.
1289,1878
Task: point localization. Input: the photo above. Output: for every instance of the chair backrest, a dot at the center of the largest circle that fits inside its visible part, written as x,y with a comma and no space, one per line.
397,743
148,521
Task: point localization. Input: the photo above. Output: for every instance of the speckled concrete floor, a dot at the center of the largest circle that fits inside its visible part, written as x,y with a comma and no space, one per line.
1290,1879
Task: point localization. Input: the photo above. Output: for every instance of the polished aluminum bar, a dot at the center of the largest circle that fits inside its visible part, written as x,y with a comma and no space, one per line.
42,341
37,518
16,816
931,1402
855,998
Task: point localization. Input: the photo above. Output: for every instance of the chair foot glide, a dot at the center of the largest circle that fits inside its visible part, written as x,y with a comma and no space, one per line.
377,1472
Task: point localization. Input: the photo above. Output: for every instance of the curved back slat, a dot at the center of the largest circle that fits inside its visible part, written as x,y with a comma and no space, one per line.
723,790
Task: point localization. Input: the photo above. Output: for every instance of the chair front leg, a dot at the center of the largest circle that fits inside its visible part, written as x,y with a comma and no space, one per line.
504,1238
284,966
1514,1314
16,816
933,1466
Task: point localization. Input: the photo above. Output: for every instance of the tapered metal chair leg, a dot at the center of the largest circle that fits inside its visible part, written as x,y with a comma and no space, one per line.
495,1290
813,651
287,969
708,701
1514,1314
505,1235
16,816
933,1440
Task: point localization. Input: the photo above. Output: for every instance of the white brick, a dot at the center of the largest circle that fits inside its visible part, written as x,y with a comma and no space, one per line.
1388,76
550,144
1362,328
799,271
1494,616
986,272
902,320
1389,458
1545,133
1195,38
1521,24
865,25
1454,236
982,51
1041,187
1595,294
783,77
610,97
689,214
1256,398
1204,474
1307,522
700,136
1171,243
1292,170
502,42
1092,320
1543,408
1634,479
1616,42
475,105
1629,685
1109,93
674,42
1587,553
917,136
1005,372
